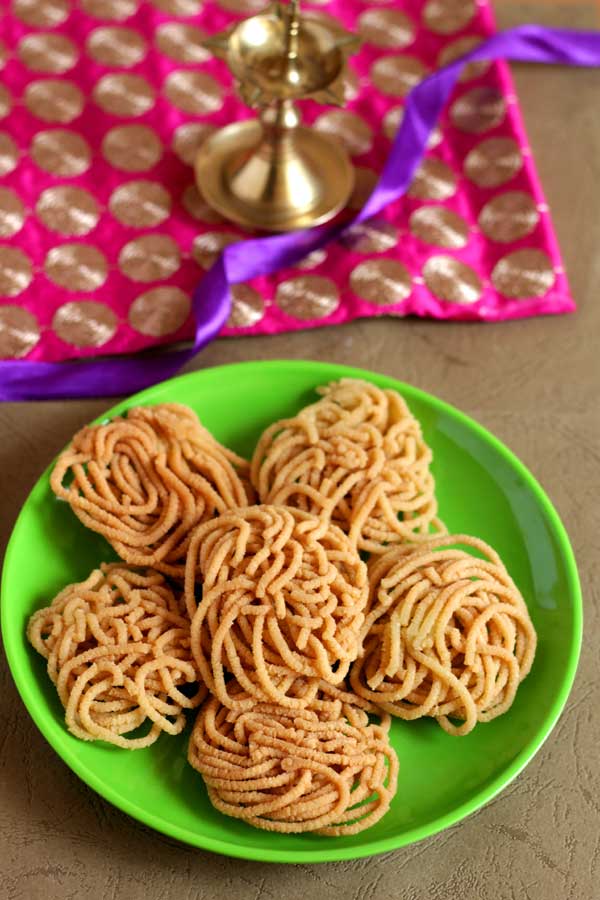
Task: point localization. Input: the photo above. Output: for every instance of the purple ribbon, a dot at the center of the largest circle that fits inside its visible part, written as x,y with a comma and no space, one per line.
109,376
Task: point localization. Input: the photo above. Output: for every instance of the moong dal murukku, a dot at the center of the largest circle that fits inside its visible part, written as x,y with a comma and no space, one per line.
283,595
322,769
356,457
446,635
144,480
118,651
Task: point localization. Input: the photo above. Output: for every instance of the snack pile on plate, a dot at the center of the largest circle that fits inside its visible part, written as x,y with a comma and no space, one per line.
299,603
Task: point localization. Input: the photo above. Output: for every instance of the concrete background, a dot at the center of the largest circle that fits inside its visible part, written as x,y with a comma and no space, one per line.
536,384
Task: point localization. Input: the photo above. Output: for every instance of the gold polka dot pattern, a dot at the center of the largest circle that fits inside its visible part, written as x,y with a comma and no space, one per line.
397,75
373,236
9,154
247,307
381,281
364,182
84,323
197,206
140,204
61,152
188,138
160,311
135,196
42,13
70,211
12,213
19,332
179,7
458,48
307,297
243,6
523,274
440,227
318,15
132,148
124,95
15,271
207,246
509,217
448,16
349,129
493,162
112,10
451,280
54,101
393,119
182,43
152,257
76,267
479,110
386,28
193,92
49,53
5,101
116,46
314,259
434,180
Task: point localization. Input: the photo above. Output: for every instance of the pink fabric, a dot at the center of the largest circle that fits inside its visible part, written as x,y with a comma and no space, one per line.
43,298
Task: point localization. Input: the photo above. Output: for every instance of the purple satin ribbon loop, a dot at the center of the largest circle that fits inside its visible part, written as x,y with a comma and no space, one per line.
110,376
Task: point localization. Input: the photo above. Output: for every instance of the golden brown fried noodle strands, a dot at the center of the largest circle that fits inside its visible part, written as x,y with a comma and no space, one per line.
323,769
283,595
146,480
357,458
118,651
447,635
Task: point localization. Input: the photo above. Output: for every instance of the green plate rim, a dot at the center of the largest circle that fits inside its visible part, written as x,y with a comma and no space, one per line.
369,848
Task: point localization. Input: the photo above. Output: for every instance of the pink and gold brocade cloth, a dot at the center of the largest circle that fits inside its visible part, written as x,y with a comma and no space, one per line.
103,235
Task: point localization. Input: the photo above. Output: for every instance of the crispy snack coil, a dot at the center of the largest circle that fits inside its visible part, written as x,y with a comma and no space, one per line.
356,458
283,594
145,480
447,634
323,768
118,651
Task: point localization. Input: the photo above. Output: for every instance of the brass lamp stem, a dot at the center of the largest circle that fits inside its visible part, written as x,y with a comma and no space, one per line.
293,30
279,118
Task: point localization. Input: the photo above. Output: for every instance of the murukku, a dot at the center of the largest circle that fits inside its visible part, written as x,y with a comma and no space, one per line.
118,651
324,769
447,634
356,458
299,643
283,595
144,480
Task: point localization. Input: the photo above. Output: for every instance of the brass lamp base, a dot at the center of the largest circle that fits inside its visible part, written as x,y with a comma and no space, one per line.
301,180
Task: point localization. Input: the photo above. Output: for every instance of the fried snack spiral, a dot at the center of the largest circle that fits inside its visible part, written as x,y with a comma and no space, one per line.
355,457
283,595
145,480
295,771
118,651
447,635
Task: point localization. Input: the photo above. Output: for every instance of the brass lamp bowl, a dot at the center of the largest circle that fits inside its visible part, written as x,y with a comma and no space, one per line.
259,49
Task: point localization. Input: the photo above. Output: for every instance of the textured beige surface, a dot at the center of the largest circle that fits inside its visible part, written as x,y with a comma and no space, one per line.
536,384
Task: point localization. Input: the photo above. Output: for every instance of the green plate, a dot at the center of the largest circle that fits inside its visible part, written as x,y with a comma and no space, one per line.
482,489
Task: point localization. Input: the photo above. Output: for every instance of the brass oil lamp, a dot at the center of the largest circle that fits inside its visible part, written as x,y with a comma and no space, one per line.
271,173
